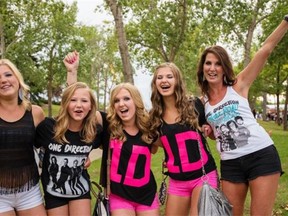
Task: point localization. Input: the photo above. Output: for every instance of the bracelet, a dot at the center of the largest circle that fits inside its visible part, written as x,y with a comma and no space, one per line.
286,18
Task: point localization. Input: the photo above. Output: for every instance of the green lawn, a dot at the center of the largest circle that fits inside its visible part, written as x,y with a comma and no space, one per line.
280,138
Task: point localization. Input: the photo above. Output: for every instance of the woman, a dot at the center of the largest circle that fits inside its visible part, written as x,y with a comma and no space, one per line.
176,116
69,137
255,163
133,186
19,180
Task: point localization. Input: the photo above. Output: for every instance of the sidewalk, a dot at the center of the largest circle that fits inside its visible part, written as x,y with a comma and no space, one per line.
95,154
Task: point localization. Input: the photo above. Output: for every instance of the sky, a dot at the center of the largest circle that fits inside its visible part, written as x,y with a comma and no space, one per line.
87,15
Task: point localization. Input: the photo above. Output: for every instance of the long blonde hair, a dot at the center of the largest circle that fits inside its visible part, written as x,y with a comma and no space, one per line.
89,130
184,104
142,116
23,92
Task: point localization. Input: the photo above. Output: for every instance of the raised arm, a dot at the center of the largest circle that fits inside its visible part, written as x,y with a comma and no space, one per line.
71,62
250,73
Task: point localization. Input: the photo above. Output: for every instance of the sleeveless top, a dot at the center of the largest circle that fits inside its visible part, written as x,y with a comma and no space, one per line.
130,173
18,168
236,130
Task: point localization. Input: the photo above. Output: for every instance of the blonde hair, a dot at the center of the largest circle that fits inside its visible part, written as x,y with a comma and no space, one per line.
89,130
23,94
142,116
184,104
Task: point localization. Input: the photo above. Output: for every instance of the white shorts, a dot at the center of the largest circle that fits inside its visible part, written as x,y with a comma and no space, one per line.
21,201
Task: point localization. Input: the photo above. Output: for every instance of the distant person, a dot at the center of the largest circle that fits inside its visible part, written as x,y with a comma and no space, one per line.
255,165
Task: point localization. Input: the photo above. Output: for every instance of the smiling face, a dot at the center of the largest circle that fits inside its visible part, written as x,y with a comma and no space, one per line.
9,84
125,107
165,81
212,68
79,105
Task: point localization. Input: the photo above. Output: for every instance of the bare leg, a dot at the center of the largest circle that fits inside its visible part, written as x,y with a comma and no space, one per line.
177,205
236,194
263,193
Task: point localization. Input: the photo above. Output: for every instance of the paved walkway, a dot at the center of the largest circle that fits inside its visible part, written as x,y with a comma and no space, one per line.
95,154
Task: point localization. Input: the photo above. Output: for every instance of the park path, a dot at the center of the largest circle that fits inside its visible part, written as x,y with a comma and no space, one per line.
95,154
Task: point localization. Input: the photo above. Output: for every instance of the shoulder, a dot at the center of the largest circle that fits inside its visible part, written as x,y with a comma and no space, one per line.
47,123
38,114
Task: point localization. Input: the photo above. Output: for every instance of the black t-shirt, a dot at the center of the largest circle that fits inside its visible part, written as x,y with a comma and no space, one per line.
63,173
180,143
130,174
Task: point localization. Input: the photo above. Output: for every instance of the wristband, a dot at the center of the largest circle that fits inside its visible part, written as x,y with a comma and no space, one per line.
286,18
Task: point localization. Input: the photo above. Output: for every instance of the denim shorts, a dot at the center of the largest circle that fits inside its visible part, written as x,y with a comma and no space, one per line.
243,169
22,200
54,202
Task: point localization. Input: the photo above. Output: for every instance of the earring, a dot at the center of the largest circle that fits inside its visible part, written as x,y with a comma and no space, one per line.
20,96
225,79
203,78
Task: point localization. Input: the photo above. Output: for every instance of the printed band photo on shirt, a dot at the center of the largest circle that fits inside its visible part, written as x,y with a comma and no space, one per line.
66,178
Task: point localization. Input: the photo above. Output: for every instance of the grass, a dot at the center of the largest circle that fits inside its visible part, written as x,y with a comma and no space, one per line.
280,138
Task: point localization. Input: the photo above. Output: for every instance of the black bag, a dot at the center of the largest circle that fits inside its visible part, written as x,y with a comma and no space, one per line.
213,202
102,205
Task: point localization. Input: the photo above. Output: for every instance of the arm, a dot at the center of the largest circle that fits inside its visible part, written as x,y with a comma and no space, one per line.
250,73
38,114
154,148
71,62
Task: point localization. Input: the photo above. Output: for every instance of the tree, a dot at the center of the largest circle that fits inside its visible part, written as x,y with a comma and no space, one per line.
116,9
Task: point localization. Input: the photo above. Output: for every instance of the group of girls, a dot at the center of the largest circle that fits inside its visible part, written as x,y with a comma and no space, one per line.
176,122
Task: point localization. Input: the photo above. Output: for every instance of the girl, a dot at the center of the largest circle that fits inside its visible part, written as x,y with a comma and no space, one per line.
69,138
176,117
19,179
133,186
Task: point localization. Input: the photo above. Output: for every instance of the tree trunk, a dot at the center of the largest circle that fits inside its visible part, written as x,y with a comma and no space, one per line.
2,41
264,107
116,10
285,108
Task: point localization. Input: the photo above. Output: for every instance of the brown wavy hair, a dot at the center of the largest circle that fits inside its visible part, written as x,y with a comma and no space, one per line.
184,103
142,116
229,75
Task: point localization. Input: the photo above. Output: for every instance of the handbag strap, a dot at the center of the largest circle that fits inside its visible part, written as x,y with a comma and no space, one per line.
95,194
108,190
204,176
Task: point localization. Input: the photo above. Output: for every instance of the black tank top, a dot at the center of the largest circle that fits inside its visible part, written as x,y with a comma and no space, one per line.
18,168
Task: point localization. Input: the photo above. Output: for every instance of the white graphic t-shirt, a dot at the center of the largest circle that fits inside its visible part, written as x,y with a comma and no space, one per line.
236,130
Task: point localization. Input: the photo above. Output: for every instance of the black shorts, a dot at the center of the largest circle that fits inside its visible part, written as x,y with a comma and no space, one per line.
54,202
260,163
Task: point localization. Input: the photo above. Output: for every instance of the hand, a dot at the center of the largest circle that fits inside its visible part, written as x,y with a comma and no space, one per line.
71,61
206,129
87,163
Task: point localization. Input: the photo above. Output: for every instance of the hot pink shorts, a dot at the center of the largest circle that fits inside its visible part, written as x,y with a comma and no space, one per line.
185,188
117,202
